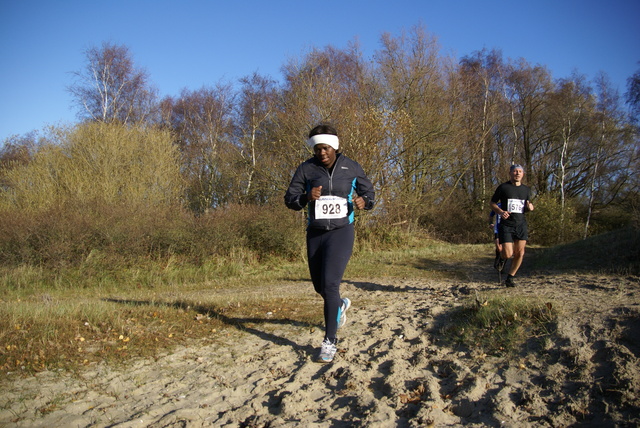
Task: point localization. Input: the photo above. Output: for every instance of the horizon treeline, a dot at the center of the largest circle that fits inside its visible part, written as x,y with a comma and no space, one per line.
436,135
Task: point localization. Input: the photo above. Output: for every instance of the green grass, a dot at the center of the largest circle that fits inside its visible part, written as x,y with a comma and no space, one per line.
616,252
500,325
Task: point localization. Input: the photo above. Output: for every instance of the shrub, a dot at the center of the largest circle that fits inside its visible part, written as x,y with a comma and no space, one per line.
98,164
103,186
267,230
545,221
457,222
614,217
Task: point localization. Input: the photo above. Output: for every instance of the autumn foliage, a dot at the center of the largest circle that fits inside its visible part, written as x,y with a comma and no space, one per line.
204,172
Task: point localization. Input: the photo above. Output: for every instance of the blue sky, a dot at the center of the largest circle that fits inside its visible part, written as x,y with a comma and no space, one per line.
191,43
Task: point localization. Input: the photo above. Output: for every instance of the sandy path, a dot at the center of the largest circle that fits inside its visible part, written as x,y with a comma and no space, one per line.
393,370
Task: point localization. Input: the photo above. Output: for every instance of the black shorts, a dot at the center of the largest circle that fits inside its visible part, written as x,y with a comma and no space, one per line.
518,232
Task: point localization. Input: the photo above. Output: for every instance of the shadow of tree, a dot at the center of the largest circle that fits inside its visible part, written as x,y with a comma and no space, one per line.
474,270
240,323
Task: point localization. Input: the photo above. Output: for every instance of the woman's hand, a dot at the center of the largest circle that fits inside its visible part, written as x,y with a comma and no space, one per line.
315,194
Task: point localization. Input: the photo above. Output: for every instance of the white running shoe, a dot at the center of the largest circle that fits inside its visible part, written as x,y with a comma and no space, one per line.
327,352
342,315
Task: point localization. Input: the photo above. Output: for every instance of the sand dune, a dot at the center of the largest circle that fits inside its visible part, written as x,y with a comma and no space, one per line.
393,369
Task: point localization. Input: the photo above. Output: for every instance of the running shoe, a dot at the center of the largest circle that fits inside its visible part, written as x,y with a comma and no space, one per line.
327,351
342,315
509,282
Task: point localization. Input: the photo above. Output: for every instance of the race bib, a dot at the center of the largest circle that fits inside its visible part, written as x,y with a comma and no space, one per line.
330,207
515,205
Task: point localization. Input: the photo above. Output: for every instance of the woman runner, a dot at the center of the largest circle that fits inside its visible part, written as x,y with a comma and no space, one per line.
330,186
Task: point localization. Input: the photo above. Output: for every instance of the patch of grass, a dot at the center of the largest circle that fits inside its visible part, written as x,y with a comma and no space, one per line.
425,258
616,252
47,333
114,310
500,325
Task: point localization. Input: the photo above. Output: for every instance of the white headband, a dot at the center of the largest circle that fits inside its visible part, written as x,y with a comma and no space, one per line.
328,139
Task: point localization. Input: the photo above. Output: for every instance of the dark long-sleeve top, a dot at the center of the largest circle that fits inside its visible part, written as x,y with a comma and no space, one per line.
340,186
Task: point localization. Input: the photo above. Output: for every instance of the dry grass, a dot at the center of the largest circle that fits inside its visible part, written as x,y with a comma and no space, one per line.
64,319
110,310
502,325
45,332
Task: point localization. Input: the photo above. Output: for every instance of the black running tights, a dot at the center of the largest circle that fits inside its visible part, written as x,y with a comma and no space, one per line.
328,252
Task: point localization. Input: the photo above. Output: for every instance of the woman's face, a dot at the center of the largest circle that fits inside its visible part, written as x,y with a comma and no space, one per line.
325,154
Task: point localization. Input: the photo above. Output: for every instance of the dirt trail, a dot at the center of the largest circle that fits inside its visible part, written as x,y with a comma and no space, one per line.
393,369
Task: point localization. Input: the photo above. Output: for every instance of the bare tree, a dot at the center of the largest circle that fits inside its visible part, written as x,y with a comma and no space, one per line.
329,85
633,95
255,111
571,105
97,165
527,91
481,81
202,121
613,156
17,150
419,115
110,88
